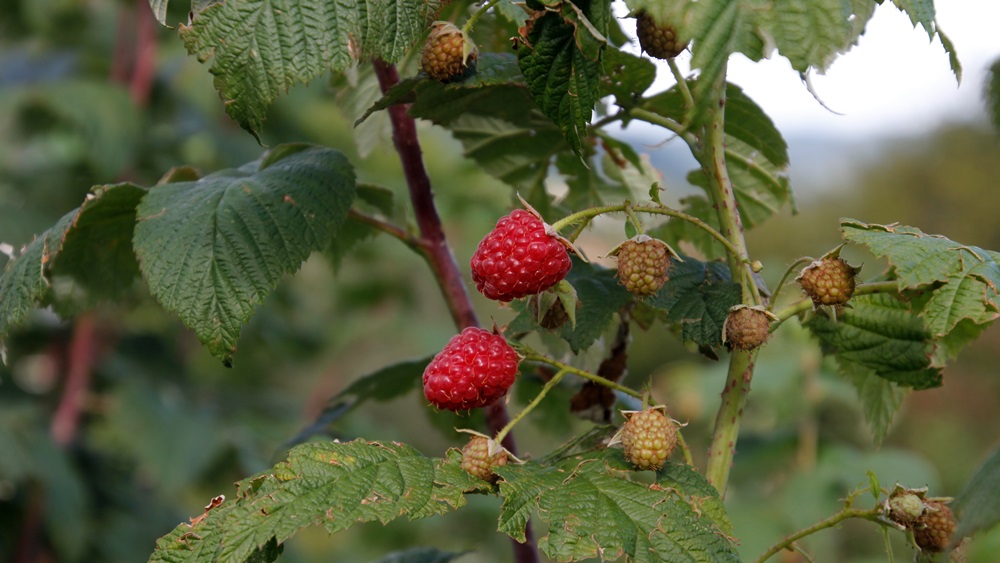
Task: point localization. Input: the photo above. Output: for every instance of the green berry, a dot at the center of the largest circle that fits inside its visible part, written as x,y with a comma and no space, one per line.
657,39
829,281
906,508
643,263
746,328
648,437
448,53
477,461
933,530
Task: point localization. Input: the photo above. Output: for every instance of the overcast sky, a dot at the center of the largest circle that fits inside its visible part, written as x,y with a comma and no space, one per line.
894,82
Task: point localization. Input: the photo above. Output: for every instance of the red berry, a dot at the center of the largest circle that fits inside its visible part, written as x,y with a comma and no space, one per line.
933,530
648,437
448,53
829,281
518,258
477,461
474,369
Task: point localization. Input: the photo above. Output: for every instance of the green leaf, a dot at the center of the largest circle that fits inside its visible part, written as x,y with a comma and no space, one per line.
601,296
594,510
697,297
880,398
499,127
24,282
331,484
213,249
159,8
625,76
880,334
97,247
963,281
704,497
920,12
559,55
976,504
386,384
811,33
259,48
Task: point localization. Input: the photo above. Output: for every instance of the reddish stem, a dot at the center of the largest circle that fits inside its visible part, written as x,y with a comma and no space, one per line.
83,353
144,69
439,256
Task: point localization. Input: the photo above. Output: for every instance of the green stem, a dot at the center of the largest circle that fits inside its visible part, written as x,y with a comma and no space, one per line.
846,514
584,374
727,420
631,215
682,85
472,19
653,209
531,406
685,450
804,305
784,278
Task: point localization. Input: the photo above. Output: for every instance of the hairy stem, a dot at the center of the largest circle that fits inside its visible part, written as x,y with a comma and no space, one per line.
440,258
846,514
531,406
474,17
711,153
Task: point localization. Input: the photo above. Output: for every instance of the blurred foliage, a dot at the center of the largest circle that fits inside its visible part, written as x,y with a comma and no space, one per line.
162,427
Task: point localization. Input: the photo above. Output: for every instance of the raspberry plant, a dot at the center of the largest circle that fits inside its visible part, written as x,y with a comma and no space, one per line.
210,248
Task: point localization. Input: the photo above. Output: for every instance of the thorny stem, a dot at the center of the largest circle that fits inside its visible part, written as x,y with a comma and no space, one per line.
531,406
588,214
872,514
467,27
441,260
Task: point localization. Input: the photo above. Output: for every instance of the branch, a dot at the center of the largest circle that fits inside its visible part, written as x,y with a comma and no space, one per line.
846,514
83,354
442,261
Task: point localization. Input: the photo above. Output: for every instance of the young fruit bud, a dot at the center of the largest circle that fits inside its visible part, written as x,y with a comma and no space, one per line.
477,461
829,281
648,437
642,265
659,40
905,508
746,328
934,529
448,53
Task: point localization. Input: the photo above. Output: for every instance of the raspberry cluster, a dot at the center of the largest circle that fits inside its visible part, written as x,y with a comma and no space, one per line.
649,438
519,257
448,53
474,369
642,265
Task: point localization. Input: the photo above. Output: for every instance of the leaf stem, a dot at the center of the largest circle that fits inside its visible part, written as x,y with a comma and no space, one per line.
784,278
392,230
845,514
532,356
805,304
467,27
531,406
682,86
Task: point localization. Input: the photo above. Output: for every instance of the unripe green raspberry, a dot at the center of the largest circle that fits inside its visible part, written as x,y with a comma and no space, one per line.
643,262
934,529
477,461
746,328
648,437
906,508
659,40
829,281
448,53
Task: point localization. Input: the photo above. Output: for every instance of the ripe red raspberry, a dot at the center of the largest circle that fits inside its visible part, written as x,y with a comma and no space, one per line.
474,369
648,437
828,281
642,265
448,53
934,529
477,461
518,258
746,328
659,41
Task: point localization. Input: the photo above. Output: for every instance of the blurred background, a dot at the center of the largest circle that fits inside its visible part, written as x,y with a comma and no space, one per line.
117,425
